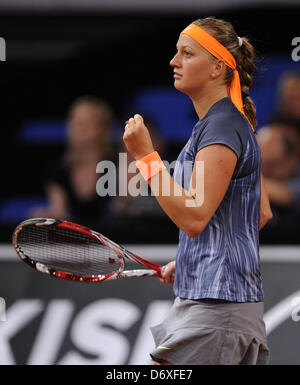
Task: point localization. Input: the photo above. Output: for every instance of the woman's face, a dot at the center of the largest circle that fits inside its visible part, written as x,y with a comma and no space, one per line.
277,162
192,66
84,128
291,97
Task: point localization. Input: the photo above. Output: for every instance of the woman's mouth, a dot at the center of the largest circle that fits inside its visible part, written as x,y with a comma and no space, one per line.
177,75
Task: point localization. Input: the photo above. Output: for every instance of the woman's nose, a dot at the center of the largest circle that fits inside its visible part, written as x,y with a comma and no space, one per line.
174,61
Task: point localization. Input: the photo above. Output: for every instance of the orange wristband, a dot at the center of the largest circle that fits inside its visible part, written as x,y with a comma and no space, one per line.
150,165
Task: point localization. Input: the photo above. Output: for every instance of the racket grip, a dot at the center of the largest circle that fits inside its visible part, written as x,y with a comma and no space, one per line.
156,274
140,273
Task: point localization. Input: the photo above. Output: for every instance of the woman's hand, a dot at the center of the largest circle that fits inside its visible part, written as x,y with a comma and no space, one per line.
168,273
137,138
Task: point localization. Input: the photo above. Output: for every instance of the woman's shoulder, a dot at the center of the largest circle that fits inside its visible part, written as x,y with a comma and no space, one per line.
223,125
229,116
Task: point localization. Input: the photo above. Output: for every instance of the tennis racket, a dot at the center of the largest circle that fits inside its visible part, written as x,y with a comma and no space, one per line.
73,252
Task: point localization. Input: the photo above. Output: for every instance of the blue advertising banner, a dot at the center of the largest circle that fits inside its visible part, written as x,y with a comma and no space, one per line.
49,321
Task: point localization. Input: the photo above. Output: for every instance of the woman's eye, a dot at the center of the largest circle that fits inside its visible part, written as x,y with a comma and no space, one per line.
187,53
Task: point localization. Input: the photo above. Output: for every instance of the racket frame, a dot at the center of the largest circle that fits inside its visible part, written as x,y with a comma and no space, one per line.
153,269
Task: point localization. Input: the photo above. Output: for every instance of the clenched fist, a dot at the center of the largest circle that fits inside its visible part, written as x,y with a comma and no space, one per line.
137,138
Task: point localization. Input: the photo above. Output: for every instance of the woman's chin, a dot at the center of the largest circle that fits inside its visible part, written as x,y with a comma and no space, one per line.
180,87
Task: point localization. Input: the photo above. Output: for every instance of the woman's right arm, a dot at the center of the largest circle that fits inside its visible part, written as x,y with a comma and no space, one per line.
265,209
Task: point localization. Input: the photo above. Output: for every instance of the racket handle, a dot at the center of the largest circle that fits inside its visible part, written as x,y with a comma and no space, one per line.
140,273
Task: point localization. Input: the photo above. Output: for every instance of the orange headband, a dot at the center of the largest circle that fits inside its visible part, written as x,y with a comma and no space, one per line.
219,51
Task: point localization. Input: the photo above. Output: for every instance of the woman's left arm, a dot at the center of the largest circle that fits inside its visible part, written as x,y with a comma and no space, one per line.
265,208
190,210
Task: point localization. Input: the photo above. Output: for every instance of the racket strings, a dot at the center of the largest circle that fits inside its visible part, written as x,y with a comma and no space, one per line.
67,250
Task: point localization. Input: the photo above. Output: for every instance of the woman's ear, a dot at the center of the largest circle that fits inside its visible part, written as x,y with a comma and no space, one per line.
218,68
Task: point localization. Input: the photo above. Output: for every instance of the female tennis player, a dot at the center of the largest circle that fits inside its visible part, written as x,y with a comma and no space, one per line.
217,316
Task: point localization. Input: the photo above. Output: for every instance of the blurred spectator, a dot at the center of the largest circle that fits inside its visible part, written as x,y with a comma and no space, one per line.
280,148
71,182
289,94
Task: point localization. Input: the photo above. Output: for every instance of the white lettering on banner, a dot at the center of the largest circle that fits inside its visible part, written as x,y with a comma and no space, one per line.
51,332
296,309
280,312
144,343
2,309
98,331
92,333
18,315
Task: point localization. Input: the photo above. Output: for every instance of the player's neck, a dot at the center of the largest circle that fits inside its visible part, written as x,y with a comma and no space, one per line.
202,103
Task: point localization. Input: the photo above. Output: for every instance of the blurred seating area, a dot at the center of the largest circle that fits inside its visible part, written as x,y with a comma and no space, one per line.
279,140
54,173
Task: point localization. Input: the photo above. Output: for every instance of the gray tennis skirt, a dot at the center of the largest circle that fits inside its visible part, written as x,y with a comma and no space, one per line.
212,332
